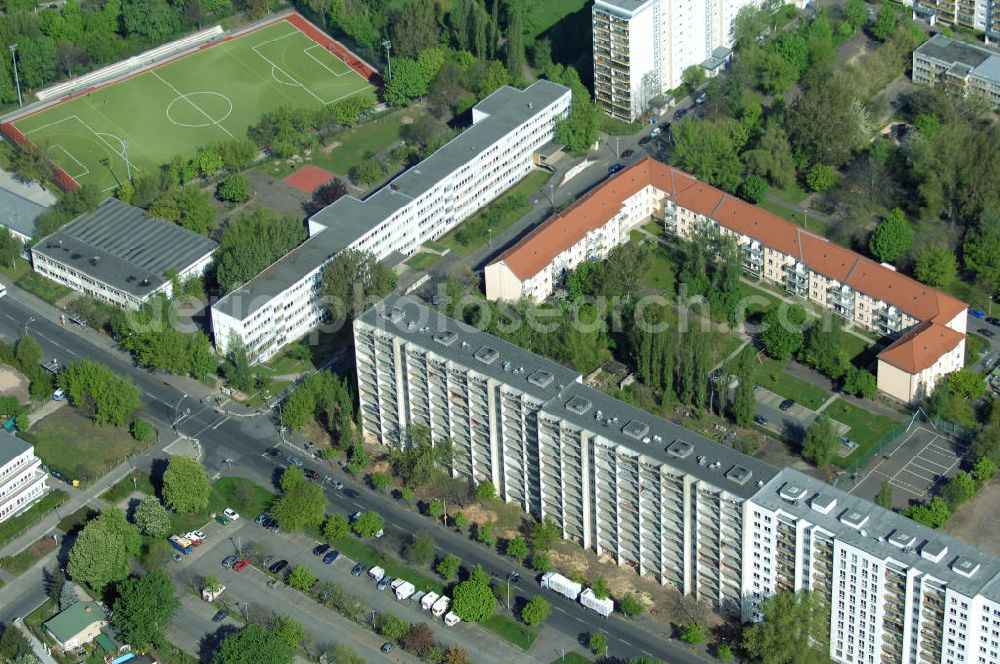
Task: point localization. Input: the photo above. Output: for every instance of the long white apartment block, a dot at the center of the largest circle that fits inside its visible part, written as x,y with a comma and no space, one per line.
718,525
425,202
22,480
642,47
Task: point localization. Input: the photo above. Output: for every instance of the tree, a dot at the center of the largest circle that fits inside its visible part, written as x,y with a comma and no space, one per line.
750,23
981,250
151,517
983,470
302,578
693,78
967,383
772,157
514,49
600,588
935,265
744,401
456,655
381,481
326,194
724,652
885,24
414,28
336,526
486,491
630,606
794,624
345,654
348,111
754,189
188,206
111,398
420,548
540,562
705,148
578,131
545,534
10,248
251,242
235,188
960,489
860,382
460,519
141,430
288,630
694,634
101,553
933,514
473,599
144,608
782,335
856,13
598,643
495,77
821,178
407,82
821,347
251,645
392,627
448,566
820,442
368,524
419,639
353,281
484,534
28,352
185,485
884,496
517,547
68,596
422,460
823,122
536,611
301,506
892,238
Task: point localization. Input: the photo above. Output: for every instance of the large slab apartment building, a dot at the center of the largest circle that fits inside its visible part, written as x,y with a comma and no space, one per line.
723,527
929,325
283,303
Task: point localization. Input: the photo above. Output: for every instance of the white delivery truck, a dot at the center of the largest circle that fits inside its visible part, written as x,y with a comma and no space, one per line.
440,606
562,585
376,573
451,619
428,601
404,591
604,606
397,582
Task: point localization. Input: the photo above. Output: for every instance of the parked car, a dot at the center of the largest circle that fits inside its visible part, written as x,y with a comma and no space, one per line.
178,557
848,443
350,493
278,566
627,154
760,420
786,404
701,98
241,565
336,484
222,520
228,561
679,114
261,518
514,577
59,394
355,516
320,549
195,535
219,617
387,647
272,452
993,320
358,570
231,514
614,168
311,474
331,556
977,313
384,582
295,461
656,132
986,332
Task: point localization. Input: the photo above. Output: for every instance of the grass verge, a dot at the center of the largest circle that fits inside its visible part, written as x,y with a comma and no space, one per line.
244,496
43,288
867,428
11,528
361,552
770,375
813,223
506,628
76,447
26,559
134,481
422,261
572,658
77,519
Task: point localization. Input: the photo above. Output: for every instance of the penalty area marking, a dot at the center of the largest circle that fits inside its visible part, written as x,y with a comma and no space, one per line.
98,135
75,176
322,64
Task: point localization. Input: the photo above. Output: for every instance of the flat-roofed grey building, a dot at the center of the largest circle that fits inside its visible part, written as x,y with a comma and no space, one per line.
117,254
959,66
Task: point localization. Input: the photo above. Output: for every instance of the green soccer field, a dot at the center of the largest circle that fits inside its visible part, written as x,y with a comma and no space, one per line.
201,99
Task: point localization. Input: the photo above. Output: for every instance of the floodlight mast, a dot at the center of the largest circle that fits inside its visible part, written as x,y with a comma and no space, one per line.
387,45
17,81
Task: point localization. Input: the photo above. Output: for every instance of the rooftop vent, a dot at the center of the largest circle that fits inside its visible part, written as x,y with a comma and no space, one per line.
446,337
95,260
933,551
487,355
965,567
853,519
392,314
902,539
636,430
792,493
540,378
739,474
578,405
822,503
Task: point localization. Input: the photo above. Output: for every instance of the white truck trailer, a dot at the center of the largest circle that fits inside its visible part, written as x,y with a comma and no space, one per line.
562,585
604,606
404,591
451,619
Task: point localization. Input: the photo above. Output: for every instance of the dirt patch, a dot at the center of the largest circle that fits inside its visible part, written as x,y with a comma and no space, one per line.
477,514
330,147
13,383
316,433
405,120
978,522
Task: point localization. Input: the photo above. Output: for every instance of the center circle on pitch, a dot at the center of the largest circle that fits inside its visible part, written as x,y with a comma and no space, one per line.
183,110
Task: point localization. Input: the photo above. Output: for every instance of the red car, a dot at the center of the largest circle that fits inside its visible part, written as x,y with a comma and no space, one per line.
241,565
628,153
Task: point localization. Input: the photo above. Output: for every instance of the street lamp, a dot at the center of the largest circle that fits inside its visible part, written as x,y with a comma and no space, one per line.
173,424
17,81
387,45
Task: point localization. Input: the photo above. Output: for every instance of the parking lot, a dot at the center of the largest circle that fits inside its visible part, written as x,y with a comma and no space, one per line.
923,458
793,421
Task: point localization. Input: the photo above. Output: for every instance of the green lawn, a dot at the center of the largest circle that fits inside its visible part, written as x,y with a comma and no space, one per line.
520,635
616,127
43,288
792,193
663,270
209,96
422,261
41,614
973,344
76,447
11,528
812,223
854,346
435,246
770,375
755,301
77,519
17,271
134,481
239,493
529,185
867,428
361,552
572,657
543,15
25,560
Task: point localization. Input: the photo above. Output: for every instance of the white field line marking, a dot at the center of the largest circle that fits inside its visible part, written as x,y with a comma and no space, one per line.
51,124
86,171
323,64
100,137
275,67
186,98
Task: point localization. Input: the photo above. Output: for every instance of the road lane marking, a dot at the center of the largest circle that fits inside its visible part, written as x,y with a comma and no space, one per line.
221,422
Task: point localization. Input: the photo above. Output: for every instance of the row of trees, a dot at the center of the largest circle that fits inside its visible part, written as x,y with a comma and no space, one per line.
110,398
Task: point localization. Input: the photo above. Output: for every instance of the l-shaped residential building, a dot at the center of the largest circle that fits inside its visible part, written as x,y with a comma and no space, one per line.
284,302
868,294
669,503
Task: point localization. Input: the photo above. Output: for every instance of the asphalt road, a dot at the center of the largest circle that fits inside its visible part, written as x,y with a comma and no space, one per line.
235,446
